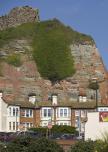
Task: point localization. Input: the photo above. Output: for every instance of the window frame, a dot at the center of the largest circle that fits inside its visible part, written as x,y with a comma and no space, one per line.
10,125
63,112
47,112
28,113
13,111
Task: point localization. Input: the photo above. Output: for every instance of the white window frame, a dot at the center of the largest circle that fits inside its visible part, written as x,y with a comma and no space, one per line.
27,125
64,123
10,125
13,111
14,125
65,112
28,113
47,109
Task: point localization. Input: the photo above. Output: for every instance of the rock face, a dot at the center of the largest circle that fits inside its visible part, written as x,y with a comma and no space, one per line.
89,65
23,80
19,82
19,16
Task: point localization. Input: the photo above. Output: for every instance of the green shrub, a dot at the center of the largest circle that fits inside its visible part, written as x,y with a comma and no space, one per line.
101,146
3,147
64,129
83,146
56,129
42,131
14,60
25,144
44,145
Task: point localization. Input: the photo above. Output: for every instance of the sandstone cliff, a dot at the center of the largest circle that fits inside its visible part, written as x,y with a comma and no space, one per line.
18,82
19,15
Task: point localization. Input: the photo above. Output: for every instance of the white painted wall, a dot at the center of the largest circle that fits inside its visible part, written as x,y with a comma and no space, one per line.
13,118
3,114
93,128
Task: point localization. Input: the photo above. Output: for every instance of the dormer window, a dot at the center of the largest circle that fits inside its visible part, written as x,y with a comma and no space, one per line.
82,99
82,96
54,99
32,98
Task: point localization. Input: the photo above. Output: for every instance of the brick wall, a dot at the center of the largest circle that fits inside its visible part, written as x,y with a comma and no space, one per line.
72,118
37,117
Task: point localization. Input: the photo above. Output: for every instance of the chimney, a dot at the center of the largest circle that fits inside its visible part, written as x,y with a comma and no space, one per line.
54,99
1,93
32,98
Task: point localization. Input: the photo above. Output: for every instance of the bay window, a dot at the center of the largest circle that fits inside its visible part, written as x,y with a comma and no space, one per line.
46,112
13,111
63,112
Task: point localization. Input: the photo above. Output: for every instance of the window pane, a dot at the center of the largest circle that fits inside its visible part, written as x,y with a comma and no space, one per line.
27,113
45,112
10,111
9,125
27,125
65,112
31,112
61,112
13,111
16,111
13,125
31,124
23,113
49,112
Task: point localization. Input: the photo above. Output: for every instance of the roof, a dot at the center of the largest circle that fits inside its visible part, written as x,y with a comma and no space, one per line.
24,103
71,104
11,100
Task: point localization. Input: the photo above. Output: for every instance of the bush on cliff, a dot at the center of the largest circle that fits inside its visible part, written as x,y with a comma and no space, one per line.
51,51
50,41
14,60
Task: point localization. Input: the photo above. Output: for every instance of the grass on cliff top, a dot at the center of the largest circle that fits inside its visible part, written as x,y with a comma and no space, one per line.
50,42
29,30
